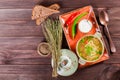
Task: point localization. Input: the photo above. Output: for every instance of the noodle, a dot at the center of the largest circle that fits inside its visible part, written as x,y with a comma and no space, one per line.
90,48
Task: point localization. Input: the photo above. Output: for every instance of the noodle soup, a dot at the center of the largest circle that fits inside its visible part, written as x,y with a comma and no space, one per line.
90,48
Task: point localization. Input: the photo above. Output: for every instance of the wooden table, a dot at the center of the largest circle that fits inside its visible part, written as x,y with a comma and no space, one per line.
19,37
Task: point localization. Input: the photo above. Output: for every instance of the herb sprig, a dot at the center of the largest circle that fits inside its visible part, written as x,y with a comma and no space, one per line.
53,33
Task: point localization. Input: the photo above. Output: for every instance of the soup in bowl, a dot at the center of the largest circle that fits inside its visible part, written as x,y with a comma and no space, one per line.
90,48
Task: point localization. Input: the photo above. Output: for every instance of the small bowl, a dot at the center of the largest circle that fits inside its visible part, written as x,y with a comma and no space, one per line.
68,63
81,58
43,49
85,25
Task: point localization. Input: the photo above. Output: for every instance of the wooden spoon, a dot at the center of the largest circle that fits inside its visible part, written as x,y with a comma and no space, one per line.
104,19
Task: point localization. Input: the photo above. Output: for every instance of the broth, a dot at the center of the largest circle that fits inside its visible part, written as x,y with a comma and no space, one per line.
90,48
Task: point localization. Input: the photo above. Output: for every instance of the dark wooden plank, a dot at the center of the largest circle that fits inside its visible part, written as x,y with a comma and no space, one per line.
114,58
36,73
25,14
18,3
87,73
115,41
20,29
30,43
94,3
32,57
25,69
19,38
25,76
113,26
20,43
15,14
25,61
17,54
114,13
22,57
63,3
45,71
29,28
22,50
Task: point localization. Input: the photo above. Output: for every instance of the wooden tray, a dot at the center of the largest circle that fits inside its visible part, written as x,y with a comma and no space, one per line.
67,20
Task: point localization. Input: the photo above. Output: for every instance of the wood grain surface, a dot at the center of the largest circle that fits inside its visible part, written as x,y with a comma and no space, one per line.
19,38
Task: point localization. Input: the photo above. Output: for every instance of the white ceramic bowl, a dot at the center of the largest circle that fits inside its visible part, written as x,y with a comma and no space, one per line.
85,59
85,26
70,66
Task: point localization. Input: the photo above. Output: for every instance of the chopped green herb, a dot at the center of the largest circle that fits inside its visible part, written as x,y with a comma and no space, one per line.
82,41
88,50
99,52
